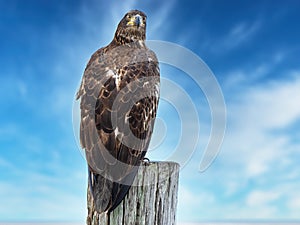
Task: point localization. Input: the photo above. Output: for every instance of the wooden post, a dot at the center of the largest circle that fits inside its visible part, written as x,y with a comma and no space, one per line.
151,201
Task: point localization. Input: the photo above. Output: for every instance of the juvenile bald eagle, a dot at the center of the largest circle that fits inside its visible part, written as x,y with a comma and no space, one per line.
119,95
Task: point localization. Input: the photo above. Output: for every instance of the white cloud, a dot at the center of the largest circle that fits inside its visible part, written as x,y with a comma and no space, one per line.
54,191
191,203
294,203
33,203
274,105
192,200
253,120
259,147
259,198
243,77
257,171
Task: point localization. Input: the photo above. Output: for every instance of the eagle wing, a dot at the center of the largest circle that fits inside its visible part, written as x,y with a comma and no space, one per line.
119,100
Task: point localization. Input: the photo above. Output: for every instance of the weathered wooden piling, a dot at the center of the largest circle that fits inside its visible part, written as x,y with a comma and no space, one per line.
152,200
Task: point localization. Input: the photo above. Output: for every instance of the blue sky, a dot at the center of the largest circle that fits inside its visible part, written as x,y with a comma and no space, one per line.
253,50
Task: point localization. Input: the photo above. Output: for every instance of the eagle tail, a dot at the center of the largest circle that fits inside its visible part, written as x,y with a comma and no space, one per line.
99,190
121,189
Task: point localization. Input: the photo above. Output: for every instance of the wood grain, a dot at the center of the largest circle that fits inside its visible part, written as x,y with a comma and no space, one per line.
152,200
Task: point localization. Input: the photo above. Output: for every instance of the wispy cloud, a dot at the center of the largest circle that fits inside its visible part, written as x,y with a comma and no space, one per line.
39,202
253,118
258,163
259,198
192,202
158,28
251,143
240,33
272,105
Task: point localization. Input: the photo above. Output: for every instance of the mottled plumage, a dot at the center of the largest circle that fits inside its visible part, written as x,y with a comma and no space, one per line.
119,96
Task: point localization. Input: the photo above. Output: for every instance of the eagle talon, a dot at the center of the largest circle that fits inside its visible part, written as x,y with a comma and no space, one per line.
146,161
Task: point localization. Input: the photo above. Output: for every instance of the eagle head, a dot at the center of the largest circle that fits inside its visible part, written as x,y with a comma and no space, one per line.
132,27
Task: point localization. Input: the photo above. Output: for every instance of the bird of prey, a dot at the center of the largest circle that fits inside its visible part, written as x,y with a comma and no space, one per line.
119,96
